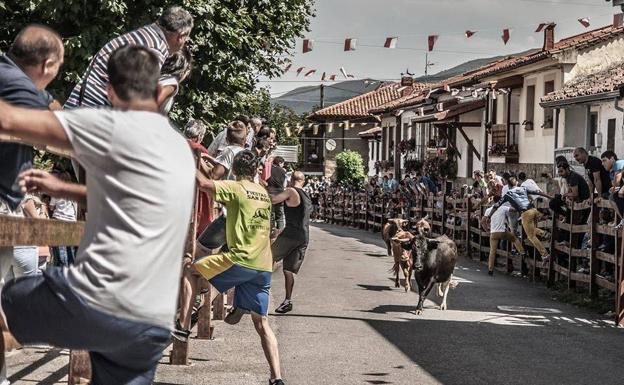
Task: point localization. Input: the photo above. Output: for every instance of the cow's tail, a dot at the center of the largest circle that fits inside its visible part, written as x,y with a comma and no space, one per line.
395,268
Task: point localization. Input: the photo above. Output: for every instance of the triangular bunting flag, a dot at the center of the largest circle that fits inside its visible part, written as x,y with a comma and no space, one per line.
310,72
315,129
343,72
432,40
332,78
505,36
351,76
323,77
330,127
346,124
299,70
391,42
287,67
540,27
469,33
584,21
307,45
350,44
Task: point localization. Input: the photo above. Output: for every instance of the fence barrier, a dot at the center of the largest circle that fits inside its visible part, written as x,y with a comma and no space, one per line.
460,220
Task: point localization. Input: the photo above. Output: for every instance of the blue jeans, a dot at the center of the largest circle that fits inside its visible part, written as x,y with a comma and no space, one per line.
63,255
45,309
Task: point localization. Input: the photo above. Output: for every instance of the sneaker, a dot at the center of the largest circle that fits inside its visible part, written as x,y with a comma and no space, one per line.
234,316
180,334
285,307
276,382
545,258
619,225
582,270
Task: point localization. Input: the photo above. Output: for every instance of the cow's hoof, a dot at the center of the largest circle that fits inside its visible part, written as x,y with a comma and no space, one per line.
407,289
442,307
419,311
397,285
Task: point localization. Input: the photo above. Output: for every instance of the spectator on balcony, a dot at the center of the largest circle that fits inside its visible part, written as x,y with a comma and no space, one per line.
428,183
598,175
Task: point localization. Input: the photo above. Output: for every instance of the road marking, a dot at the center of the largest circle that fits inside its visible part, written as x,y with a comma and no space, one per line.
524,309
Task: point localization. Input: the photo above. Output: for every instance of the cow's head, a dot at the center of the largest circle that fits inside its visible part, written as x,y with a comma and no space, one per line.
400,223
423,227
419,246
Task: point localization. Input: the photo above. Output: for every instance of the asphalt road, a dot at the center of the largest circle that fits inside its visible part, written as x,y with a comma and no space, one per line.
351,326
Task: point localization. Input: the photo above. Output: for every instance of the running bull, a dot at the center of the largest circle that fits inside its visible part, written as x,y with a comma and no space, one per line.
433,262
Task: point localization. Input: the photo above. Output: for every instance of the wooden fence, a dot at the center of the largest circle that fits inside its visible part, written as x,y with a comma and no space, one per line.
460,218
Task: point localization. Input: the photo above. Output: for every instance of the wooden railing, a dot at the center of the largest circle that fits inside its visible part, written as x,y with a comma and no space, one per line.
460,220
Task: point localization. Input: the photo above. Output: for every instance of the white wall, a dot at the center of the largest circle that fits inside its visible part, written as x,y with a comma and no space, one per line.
387,123
575,126
597,58
476,135
607,111
537,146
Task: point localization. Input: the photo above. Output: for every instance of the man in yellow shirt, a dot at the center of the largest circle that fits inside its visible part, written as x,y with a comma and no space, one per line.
248,263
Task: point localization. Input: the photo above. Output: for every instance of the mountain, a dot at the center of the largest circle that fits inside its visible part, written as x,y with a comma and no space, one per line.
305,99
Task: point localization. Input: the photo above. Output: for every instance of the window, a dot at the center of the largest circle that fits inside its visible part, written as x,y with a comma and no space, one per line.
611,135
530,107
593,128
548,112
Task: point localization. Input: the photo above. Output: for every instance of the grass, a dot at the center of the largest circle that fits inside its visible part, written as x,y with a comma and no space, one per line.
580,297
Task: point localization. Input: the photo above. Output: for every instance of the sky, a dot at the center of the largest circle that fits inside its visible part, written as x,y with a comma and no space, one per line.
371,21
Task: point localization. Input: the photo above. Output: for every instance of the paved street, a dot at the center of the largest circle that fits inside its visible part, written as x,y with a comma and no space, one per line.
351,326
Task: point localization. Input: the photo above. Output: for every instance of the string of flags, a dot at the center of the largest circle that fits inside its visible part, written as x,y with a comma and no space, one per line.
350,43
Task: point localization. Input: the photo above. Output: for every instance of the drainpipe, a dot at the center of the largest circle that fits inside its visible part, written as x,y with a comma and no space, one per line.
557,111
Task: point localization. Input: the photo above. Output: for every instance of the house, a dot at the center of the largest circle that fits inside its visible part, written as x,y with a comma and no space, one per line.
492,116
591,103
345,126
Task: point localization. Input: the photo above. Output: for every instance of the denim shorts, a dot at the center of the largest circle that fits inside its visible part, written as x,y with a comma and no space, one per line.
45,309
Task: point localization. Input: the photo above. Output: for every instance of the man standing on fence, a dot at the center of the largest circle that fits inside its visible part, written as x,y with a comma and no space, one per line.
119,299
518,198
32,62
497,225
291,245
247,265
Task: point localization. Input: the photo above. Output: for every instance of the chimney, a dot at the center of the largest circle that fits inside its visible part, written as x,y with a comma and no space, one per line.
549,37
618,18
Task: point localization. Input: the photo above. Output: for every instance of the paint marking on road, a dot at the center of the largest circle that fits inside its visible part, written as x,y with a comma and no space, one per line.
525,309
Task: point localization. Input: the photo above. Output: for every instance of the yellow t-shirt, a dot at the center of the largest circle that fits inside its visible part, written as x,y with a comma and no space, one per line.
247,228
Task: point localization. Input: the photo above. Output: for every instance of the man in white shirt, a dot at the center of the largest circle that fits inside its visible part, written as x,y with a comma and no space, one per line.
118,300
498,227
528,183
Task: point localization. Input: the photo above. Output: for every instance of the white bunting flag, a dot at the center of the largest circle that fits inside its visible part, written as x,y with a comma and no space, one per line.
343,72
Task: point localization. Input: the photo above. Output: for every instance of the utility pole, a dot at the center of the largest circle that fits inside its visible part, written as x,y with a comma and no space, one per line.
322,101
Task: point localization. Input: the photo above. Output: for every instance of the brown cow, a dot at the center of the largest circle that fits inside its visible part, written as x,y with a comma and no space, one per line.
390,229
402,258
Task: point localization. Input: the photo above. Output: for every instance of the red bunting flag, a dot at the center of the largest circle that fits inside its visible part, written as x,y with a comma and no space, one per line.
307,45
618,20
332,78
505,36
584,21
432,40
299,70
323,77
351,76
310,72
391,42
541,26
469,33
287,67
350,44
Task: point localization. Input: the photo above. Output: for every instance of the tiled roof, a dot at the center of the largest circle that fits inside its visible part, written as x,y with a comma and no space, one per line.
415,96
359,106
585,85
580,41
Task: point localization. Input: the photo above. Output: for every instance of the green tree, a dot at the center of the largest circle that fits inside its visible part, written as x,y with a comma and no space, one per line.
350,168
233,43
284,119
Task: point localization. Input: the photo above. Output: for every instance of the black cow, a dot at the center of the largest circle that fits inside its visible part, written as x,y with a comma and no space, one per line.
433,262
